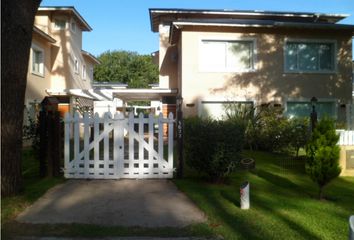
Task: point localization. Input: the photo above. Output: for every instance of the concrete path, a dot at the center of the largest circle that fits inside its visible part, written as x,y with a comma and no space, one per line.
144,203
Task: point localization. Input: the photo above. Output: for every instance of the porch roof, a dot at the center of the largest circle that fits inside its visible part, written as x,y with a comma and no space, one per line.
125,94
143,94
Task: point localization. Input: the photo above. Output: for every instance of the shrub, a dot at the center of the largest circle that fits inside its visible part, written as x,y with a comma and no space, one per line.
323,153
299,133
212,147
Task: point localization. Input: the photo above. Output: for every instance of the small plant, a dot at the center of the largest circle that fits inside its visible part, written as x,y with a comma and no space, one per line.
323,153
213,147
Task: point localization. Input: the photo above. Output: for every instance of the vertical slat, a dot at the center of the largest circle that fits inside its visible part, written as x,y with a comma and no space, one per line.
86,143
76,161
107,117
96,149
120,136
160,139
141,146
67,167
116,130
151,137
131,138
170,140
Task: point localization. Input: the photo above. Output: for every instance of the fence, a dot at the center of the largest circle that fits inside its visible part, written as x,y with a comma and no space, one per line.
118,147
346,138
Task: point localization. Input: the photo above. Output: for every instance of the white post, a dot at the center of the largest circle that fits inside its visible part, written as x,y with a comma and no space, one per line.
96,150
170,142
245,195
141,146
107,119
160,138
76,121
131,139
86,122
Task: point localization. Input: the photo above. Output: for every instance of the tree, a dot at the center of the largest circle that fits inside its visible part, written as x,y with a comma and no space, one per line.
138,71
323,153
17,17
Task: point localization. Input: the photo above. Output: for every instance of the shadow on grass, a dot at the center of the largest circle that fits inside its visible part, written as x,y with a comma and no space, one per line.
15,228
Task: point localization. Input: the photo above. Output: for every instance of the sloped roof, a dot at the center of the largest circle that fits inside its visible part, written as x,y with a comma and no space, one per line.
70,9
158,15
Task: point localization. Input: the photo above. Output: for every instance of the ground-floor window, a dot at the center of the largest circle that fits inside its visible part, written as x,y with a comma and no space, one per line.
303,109
219,109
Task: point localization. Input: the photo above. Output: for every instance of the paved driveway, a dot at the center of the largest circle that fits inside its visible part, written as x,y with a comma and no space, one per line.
144,203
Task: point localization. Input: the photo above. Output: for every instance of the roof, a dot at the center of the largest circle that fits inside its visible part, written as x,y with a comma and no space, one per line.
90,56
72,10
158,15
43,34
109,85
179,24
135,94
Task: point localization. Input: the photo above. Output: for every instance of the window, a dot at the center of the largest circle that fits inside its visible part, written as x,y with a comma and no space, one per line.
304,109
227,56
37,61
84,72
219,109
73,26
309,56
59,24
76,65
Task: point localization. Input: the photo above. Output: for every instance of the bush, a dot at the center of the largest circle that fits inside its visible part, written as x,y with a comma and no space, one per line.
323,153
266,128
212,147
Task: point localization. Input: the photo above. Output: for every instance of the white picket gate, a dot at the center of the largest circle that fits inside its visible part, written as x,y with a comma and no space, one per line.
110,148
346,138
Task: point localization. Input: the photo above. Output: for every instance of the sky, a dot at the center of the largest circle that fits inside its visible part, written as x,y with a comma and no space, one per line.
125,24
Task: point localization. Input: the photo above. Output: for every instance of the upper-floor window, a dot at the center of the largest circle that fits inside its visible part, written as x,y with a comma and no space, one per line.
76,66
84,72
73,26
59,24
37,61
308,56
227,56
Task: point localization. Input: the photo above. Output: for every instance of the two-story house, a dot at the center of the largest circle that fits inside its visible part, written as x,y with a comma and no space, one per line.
58,66
214,57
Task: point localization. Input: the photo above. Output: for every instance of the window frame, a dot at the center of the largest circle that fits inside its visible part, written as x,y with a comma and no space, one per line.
76,65
316,41
84,74
34,48
55,27
253,40
72,22
223,100
308,100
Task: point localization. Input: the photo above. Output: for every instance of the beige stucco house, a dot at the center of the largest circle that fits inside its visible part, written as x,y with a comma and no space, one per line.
58,66
214,57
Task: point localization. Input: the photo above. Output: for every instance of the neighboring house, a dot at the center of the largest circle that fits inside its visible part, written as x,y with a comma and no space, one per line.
215,57
58,66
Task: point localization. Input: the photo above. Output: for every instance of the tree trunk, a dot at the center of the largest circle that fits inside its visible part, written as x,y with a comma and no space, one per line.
17,17
320,193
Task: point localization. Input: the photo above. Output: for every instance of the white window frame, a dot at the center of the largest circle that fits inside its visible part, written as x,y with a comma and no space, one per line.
55,27
228,39
318,41
73,23
76,65
84,75
34,48
222,100
308,100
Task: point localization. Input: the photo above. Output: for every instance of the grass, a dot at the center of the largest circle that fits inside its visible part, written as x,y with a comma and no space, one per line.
284,202
33,188
283,205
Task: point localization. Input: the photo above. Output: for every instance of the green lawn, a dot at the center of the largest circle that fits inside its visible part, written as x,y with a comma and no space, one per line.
34,187
283,202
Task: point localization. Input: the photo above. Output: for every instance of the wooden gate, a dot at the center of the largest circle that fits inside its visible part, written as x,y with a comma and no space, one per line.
118,147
